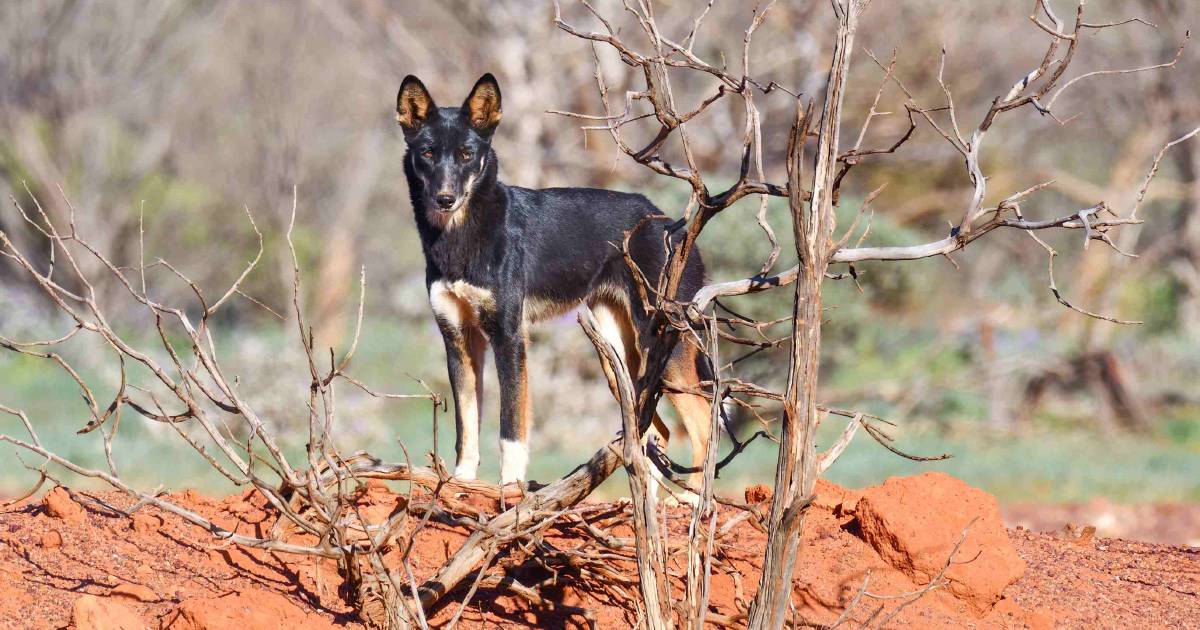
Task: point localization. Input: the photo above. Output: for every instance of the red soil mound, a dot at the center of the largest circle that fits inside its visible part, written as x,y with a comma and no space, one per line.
935,525
84,566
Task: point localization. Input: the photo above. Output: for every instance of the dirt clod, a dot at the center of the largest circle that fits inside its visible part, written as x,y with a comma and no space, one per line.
134,591
144,523
51,540
96,613
59,504
841,501
758,493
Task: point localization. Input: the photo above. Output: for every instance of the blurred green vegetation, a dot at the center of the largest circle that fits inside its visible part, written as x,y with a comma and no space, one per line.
1058,460
901,341
173,117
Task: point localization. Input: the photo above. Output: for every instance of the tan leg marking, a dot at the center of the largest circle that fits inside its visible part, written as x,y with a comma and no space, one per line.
458,306
470,401
617,327
695,412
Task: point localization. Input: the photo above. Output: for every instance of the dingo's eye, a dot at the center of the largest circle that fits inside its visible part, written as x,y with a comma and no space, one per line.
427,154
465,154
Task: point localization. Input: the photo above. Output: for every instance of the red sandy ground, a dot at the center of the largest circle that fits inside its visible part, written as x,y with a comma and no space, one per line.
66,566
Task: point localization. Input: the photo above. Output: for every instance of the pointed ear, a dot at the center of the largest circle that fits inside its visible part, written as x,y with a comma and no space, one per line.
482,106
414,105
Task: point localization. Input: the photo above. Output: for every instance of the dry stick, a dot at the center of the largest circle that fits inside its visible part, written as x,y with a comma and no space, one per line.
1154,169
858,595
531,596
1166,65
188,515
1051,253
735,385
561,494
813,227
700,547
826,459
41,470
651,557
1029,90
940,247
234,288
333,532
100,326
207,359
471,593
658,93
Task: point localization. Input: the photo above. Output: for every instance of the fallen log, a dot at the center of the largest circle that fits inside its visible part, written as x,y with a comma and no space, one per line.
502,529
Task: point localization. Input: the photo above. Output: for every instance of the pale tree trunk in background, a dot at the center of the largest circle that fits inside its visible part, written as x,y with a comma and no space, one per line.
796,468
87,186
337,272
1186,266
1097,266
34,158
522,68
999,415
1184,261
1093,364
987,325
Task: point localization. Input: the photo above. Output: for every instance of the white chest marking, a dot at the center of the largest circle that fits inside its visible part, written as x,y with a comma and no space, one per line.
459,303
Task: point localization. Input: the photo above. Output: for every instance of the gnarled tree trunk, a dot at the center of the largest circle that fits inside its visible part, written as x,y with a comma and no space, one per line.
796,472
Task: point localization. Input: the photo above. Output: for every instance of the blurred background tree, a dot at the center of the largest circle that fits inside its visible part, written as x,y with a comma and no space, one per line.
176,115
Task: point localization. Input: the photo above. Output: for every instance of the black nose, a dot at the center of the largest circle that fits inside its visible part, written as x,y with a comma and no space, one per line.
444,201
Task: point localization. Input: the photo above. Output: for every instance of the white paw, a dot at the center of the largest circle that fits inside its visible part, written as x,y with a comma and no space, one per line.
676,498
514,458
466,470
690,499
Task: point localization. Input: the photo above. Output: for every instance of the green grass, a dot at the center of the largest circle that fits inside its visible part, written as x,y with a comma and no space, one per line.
1040,466
1060,464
